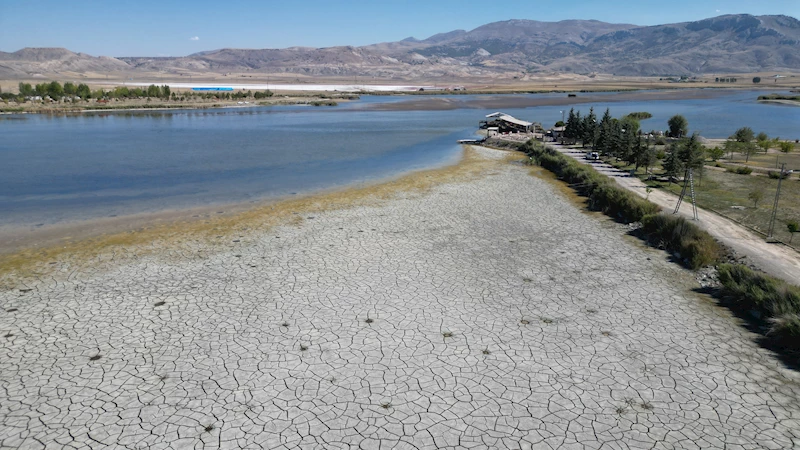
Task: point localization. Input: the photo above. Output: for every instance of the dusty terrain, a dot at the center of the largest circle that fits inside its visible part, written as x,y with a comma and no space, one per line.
485,312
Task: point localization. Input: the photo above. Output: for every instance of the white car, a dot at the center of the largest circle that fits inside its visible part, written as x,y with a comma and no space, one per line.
592,156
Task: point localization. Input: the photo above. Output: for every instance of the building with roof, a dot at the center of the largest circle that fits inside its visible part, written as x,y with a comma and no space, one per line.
506,123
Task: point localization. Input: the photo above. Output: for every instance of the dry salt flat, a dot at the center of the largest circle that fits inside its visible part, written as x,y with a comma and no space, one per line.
488,313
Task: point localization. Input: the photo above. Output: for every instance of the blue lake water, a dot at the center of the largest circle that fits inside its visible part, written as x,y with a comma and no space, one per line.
58,169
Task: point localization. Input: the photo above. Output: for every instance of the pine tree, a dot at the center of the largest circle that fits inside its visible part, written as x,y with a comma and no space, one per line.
589,135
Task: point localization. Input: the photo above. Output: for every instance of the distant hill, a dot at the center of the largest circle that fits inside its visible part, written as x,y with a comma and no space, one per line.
725,44
29,62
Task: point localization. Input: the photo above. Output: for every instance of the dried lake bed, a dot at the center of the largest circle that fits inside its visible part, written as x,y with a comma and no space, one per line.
487,311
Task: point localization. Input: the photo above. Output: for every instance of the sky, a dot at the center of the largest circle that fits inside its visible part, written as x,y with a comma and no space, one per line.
178,28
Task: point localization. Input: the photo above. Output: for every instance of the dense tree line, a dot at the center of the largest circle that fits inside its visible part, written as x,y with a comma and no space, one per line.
624,140
56,91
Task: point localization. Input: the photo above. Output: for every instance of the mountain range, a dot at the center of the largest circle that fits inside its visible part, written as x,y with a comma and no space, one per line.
514,48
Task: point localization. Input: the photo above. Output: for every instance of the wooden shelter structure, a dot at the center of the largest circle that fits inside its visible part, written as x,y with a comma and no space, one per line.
506,123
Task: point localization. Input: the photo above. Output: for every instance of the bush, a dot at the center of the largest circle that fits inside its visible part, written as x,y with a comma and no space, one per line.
777,301
621,203
695,247
640,115
604,195
777,174
741,170
786,328
323,103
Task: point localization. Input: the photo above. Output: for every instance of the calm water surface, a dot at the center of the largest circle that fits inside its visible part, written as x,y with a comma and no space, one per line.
58,169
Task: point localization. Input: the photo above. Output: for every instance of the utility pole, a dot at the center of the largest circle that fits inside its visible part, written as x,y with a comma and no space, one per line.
688,182
783,173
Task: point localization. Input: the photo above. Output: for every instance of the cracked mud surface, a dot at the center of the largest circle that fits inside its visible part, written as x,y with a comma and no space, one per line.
484,314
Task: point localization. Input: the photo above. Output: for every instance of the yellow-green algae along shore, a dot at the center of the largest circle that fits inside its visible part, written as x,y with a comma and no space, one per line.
82,244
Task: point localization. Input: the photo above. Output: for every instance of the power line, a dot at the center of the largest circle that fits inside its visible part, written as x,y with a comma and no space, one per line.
782,174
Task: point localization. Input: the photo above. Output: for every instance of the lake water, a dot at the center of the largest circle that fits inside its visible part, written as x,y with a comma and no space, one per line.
61,169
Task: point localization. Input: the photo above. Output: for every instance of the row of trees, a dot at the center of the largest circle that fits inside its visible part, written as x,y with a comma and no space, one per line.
151,91
621,138
624,140
746,142
54,90
57,91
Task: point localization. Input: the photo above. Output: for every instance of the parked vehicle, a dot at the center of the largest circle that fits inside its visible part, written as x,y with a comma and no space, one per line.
592,156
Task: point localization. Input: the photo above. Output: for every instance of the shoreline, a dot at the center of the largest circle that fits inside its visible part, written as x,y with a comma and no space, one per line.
504,101
427,102
781,102
88,239
124,108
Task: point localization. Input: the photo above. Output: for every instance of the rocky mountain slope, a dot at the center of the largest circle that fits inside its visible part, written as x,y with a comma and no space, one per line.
731,43
29,62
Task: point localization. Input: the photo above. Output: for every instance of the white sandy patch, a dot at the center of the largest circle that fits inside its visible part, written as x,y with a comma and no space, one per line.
292,87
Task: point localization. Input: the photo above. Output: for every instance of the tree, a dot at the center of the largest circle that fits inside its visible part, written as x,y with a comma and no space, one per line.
715,153
70,88
692,154
793,227
731,147
643,155
748,149
763,141
756,80
756,195
786,146
589,129
153,91
55,90
604,138
744,134
25,89
678,126
648,158
744,142
83,91
572,130
558,124
672,164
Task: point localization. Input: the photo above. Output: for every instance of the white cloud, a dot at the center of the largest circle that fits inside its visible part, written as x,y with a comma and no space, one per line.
194,38
717,10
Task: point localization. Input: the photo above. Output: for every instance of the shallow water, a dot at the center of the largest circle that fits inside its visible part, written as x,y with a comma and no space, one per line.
58,169
61,169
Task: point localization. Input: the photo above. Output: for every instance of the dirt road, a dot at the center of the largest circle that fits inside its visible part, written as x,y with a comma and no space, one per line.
774,259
